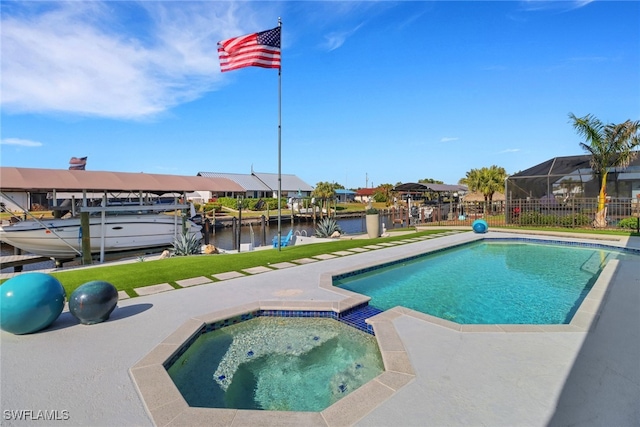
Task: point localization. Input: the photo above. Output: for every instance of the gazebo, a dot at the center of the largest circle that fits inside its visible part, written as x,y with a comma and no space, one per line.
429,191
441,199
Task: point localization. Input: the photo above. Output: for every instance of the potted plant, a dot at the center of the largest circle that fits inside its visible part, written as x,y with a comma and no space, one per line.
373,222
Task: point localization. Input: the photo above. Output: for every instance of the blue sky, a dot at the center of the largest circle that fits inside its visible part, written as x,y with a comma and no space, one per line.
372,92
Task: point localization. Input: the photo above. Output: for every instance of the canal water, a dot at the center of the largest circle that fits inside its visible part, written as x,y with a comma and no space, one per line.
224,238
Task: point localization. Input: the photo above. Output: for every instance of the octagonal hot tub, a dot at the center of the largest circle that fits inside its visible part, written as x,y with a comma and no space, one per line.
256,361
276,363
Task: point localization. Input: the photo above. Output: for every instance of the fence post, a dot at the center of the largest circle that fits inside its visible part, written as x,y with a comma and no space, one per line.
234,224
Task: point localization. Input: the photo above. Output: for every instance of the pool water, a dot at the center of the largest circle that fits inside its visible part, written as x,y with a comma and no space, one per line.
488,283
274,363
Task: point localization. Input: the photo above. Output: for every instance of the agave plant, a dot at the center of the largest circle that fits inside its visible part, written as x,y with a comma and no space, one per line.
186,244
326,227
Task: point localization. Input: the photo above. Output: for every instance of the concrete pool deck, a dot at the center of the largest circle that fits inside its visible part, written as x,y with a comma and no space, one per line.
500,378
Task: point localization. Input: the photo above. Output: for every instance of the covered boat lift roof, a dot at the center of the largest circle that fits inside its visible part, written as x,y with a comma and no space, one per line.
43,180
31,180
418,187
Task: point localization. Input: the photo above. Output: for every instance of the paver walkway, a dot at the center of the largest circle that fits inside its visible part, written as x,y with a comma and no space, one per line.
148,290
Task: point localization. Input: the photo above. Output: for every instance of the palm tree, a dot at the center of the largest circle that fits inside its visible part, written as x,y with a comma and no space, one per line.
611,145
325,192
384,194
485,180
471,180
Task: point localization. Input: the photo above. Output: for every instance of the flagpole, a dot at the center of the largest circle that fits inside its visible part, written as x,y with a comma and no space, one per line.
280,142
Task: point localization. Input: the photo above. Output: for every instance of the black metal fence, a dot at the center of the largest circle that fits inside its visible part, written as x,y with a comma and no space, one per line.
545,212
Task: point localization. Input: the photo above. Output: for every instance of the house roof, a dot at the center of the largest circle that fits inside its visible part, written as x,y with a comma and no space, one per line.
262,181
567,166
438,188
365,191
246,181
557,166
32,179
289,182
344,191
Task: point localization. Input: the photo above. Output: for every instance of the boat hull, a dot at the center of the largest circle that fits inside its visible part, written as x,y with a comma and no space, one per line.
63,237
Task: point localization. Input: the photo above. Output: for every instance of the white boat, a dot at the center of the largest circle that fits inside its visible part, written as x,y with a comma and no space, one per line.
62,238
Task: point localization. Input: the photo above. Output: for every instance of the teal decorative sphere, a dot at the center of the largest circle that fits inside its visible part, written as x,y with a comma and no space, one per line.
480,226
93,302
30,302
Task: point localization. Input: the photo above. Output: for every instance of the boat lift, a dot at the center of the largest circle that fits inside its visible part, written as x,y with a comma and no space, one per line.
85,211
34,180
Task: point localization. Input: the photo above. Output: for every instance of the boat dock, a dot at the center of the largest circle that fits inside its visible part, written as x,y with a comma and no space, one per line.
18,261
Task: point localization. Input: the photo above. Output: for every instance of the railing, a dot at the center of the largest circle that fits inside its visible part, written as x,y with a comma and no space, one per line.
570,213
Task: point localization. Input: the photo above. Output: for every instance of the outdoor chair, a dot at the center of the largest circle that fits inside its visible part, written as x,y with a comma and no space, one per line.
283,241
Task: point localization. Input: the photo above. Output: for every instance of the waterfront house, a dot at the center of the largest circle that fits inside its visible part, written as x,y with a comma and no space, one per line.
256,185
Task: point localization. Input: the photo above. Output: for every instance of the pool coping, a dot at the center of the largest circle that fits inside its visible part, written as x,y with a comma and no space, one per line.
166,406
583,320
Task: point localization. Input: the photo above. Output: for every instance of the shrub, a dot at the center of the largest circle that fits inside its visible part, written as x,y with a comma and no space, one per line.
250,204
576,220
372,211
631,223
380,197
213,206
326,227
186,244
536,218
229,202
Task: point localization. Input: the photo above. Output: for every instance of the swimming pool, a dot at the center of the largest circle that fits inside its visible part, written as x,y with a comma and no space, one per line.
487,282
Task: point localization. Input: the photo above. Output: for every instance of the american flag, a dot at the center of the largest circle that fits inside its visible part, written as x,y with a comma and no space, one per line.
253,50
77,163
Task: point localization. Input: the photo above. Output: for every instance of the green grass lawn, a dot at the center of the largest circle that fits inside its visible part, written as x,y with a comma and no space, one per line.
126,277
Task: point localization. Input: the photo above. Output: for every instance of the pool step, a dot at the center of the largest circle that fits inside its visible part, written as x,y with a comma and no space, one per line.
357,315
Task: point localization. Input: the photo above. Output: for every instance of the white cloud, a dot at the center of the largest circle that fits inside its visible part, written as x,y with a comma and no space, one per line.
563,5
20,142
509,150
337,38
448,139
112,59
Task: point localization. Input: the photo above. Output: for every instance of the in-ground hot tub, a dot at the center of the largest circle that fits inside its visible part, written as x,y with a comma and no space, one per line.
257,363
276,363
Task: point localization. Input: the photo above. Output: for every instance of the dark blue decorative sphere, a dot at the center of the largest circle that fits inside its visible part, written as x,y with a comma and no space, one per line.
480,226
30,302
93,302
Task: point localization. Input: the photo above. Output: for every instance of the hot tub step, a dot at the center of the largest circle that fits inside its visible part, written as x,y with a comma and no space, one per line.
356,317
